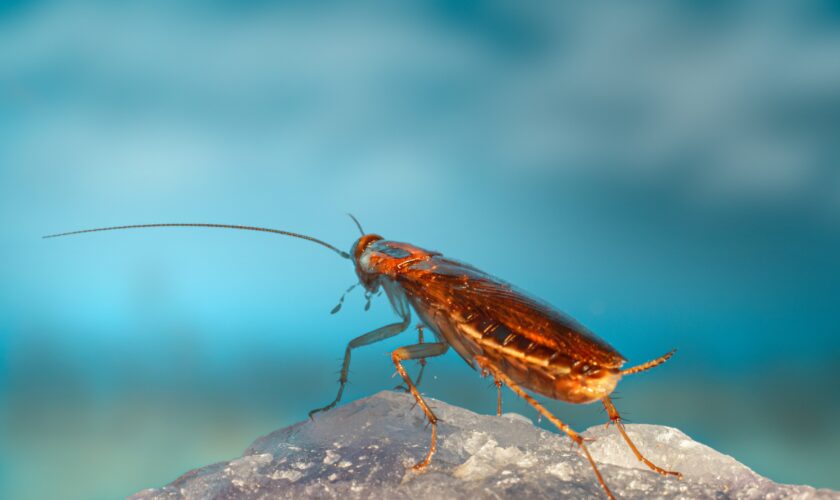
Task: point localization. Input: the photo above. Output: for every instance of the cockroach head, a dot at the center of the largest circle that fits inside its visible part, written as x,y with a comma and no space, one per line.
357,251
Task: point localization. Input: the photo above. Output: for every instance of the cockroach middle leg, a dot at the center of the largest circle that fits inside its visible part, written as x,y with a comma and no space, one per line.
499,396
498,384
382,333
421,362
616,419
417,351
487,365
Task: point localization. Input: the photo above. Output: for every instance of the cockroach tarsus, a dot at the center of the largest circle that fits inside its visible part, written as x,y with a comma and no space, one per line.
521,342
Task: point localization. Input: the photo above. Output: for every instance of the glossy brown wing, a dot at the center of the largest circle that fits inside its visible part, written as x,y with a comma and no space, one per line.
470,295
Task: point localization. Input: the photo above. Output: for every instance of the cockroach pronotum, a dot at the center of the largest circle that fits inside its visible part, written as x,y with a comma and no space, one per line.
521,342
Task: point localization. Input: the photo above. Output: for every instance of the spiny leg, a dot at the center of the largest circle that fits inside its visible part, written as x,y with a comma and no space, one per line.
499,397
616,419
486,366
417,351
498,384
368,338
421,362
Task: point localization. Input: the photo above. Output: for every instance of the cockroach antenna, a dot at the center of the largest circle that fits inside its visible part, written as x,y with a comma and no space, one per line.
357,224
224,226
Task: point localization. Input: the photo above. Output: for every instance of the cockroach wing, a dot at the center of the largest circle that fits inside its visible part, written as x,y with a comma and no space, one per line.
455,292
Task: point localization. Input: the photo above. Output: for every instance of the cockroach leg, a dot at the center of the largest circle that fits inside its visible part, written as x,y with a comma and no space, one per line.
417,351
486,364
499,397
421,362
616,419
498,384
382,333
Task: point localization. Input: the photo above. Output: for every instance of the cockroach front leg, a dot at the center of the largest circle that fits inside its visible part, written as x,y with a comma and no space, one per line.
616,419
486,365
383,333
421,362
418,351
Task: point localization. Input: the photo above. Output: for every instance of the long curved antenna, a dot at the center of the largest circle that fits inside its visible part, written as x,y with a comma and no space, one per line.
225,226
357,224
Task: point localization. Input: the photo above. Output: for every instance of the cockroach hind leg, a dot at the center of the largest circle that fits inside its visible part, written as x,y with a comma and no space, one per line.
485,363
616,419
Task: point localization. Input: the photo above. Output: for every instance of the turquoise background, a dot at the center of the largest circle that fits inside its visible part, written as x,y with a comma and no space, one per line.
666,173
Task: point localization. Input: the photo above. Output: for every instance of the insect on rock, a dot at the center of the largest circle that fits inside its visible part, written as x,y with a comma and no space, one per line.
521,342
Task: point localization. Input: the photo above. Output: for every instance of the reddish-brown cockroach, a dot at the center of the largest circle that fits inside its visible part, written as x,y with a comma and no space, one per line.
522,342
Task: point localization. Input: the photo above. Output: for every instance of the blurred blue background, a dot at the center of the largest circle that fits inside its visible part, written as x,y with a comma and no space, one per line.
664,172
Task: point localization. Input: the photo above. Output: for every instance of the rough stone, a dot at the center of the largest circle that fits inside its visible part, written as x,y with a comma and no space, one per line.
365,450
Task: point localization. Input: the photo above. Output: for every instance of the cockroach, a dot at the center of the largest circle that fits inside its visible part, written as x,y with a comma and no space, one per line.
520,341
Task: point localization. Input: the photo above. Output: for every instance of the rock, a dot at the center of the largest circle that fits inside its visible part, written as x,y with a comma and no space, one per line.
366,448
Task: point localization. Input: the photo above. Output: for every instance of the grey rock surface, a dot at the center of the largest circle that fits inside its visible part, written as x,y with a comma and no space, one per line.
365,450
